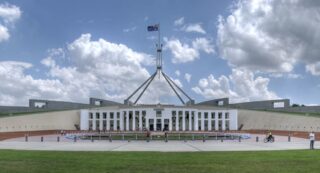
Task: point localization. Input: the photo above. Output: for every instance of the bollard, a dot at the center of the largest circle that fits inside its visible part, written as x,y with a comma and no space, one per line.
110,138
74,139
203,138
257,139
26,138
58,139
91,138
221,139
239,138
192,137
123,137
289,138
41,138
136,137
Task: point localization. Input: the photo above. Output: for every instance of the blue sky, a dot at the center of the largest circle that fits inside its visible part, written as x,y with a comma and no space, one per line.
244,50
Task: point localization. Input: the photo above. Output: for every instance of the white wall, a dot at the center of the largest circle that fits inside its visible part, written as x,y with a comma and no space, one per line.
277,121
41,121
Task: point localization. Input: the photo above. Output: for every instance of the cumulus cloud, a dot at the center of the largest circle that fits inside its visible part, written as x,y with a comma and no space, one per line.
187,76
17,87
271,36
203,44
240,86
179,21
314,69
190,27
96,68
8,15
183,52
177,72
196,27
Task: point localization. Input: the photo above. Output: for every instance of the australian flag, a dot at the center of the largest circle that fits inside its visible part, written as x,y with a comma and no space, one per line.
153,27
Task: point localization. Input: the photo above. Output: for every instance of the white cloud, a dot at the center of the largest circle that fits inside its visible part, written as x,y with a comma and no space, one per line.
314,69
8,15
239,86
177,72
203,44
289,75
183,52
190,27
4,34
98,68
130,29
270,36
187,76
196,27
179,21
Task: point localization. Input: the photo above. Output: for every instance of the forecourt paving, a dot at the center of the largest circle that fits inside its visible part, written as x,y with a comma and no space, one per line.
170,146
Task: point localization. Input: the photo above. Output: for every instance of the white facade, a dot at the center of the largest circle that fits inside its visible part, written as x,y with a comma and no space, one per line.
158,118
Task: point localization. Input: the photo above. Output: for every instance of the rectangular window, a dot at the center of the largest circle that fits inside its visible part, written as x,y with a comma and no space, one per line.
104,115
227,125
97,115
118,115
111,115
213,115
206,115
220,115
91,115
199,115
220,124
227,115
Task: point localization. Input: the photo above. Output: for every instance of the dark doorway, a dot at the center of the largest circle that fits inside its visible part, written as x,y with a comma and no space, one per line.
151,126
159,125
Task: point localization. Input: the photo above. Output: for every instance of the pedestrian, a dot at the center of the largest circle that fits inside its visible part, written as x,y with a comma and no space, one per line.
312,137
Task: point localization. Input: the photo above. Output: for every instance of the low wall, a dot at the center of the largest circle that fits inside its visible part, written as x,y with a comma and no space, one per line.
277,121
41,121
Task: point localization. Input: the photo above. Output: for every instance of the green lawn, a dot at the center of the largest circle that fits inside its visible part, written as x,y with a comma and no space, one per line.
97,162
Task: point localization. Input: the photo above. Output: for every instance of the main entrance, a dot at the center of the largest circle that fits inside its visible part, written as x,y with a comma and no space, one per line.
159,125
151,125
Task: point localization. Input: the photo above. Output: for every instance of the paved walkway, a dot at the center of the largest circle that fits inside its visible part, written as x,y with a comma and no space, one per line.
170,146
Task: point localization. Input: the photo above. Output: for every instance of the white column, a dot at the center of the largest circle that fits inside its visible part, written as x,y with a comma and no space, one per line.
134,120
94,126
209,121
108,120
183,120
121,121
147,123
223,121
127,120
170,123
162,123
155,124
217,121
115,117
190,120
140,120
177,121
202,121
100,120
196,126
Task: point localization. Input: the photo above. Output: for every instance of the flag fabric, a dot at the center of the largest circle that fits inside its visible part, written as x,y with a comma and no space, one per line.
153,28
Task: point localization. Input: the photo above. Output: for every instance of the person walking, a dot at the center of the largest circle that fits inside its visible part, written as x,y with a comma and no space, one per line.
312,138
